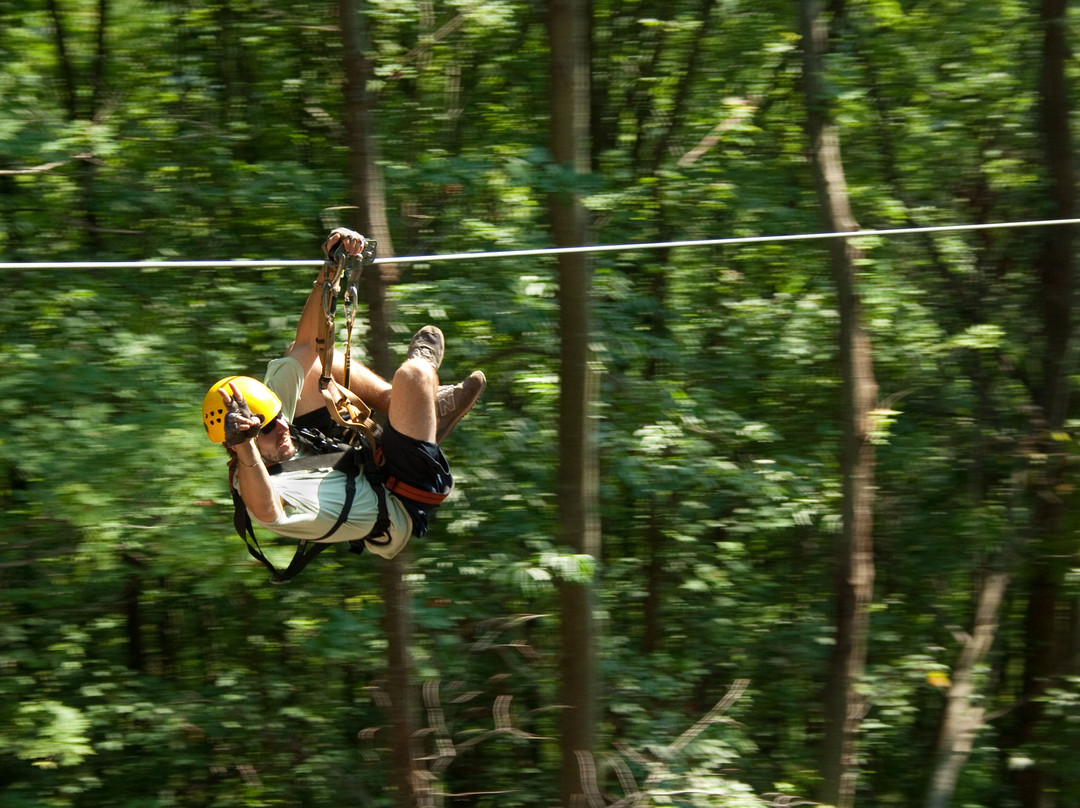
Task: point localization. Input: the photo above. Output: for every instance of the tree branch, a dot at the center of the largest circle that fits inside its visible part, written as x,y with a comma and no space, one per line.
39,169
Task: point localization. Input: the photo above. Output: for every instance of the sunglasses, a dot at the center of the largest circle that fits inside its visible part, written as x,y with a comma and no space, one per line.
271,425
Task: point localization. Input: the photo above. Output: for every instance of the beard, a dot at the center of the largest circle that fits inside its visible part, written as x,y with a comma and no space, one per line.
277,452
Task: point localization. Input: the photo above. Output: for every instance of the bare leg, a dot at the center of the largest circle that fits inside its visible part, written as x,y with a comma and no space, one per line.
412,407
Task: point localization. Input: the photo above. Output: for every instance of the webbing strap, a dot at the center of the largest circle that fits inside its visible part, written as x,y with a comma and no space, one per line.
345,461
403,489
352,460
346,407
305,550
350,493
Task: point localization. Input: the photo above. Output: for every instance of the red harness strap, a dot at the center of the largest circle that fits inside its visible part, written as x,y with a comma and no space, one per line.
403,489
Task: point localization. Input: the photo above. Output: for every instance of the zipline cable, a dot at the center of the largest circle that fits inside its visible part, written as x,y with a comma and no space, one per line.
417,259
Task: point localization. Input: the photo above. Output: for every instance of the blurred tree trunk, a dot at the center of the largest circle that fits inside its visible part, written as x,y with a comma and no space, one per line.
366,186
855,560
964,714
133,619
1046,634
656,275
79,110
578,492
369,196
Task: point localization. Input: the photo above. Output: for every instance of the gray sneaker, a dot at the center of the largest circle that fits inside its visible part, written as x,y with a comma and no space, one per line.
454,400
427,344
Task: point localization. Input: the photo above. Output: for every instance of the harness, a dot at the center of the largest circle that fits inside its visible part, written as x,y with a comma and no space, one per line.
358,451
352,460
344,406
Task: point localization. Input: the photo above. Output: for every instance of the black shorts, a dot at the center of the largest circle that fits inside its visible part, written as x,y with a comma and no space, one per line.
417,474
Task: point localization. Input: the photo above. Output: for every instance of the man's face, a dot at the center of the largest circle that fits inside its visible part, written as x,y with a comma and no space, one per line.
276,445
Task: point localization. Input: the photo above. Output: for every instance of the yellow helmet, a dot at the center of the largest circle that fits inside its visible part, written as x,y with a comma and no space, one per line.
260,399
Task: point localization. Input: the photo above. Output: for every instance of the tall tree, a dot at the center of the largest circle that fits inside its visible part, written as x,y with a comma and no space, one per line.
82,106
855,559
1047,634
369,198
367,187
578,487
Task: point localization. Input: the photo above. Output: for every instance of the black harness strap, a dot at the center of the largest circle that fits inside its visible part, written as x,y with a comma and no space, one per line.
305,549
352,460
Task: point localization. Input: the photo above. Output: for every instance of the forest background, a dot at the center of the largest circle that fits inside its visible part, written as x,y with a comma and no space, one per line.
655,583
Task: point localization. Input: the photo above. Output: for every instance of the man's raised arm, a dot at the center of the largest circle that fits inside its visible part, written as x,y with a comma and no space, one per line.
370,388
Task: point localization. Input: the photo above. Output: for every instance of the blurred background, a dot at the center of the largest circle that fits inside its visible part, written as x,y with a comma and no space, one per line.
791,592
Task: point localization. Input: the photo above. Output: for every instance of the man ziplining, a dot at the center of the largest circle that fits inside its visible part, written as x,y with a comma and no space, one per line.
304,460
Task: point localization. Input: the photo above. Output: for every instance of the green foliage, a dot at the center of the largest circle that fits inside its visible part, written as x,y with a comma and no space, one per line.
144,660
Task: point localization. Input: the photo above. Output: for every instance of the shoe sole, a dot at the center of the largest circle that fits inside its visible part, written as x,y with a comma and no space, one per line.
437,346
